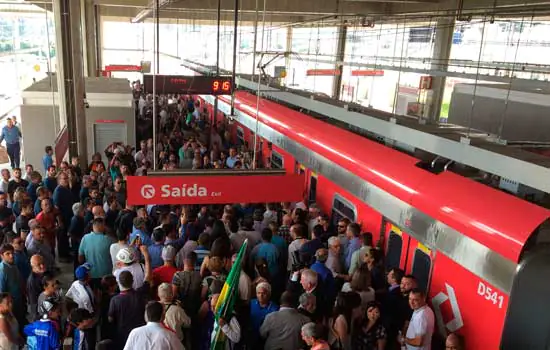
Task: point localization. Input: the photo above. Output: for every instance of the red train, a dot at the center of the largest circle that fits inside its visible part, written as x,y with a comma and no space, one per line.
478,251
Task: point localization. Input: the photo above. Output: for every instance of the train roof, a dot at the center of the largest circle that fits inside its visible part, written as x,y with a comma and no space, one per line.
499,221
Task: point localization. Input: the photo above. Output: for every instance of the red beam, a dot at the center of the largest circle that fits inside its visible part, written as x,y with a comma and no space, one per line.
122,68
323,72
367,73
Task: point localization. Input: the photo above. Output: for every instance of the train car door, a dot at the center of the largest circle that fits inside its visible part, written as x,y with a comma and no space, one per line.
419,263
410,255
312,189
397,247
302,170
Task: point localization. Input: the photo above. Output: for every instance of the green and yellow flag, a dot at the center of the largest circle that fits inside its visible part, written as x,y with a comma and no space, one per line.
226,300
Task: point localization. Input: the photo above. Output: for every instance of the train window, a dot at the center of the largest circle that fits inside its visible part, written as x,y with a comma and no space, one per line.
312,189
422,265
395,247
240,136
342,208
277,161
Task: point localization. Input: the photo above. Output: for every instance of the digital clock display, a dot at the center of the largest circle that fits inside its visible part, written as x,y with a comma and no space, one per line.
189,85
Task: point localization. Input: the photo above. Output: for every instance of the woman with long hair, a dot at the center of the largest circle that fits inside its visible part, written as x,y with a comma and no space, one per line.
369,333
339,336
361,284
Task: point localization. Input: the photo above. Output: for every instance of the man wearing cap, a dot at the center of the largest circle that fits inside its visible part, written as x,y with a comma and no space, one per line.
165,273
12,135
128,261
80,291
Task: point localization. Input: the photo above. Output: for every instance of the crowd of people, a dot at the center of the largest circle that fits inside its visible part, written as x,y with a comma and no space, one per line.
149,277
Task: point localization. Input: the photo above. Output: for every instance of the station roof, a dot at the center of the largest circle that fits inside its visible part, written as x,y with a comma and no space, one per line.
292,11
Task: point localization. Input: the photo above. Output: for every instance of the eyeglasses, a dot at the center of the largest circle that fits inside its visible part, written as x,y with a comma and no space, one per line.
341,226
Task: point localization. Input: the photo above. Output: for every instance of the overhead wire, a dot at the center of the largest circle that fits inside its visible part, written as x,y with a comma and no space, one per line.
509,90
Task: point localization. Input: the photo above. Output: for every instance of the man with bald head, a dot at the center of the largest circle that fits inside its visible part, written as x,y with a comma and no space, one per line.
454,341
34,282
99,213
284,229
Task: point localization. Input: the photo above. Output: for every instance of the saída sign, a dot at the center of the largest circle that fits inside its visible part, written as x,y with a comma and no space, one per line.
144,190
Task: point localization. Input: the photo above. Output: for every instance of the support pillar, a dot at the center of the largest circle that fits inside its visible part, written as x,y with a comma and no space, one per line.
288,80
339,66
90,35
440,61
70,75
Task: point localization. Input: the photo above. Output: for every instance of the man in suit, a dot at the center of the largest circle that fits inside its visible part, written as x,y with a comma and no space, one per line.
281,329
396,306
308,281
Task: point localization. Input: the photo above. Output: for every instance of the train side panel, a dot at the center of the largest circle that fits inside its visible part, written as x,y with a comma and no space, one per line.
328,193
464,303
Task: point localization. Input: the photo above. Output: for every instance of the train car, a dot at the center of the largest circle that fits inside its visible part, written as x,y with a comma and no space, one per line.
479,252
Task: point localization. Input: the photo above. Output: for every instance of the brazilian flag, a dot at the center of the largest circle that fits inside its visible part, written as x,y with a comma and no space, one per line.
226,300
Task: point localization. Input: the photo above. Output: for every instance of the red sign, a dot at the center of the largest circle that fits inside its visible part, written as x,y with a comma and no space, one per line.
326,72
214,189
122,68
425,82
367,73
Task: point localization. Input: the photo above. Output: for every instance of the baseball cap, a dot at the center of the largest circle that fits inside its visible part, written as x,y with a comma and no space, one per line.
48,305
168,253
82,271
126,255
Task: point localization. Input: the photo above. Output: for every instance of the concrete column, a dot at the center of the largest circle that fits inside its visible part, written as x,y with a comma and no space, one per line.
70,75
340,54
288,57
90,35
440,60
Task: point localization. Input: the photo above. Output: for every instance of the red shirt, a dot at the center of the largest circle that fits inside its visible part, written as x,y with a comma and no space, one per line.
164,274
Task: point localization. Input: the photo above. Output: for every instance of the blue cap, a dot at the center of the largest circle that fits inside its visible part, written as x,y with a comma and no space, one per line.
82,271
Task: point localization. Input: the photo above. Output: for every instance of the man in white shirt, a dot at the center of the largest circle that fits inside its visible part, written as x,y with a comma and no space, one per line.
127,260
421,327
80,291
153,335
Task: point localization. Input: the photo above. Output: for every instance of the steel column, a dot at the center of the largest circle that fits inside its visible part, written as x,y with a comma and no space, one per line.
70,75
340,55
440,61
235,26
